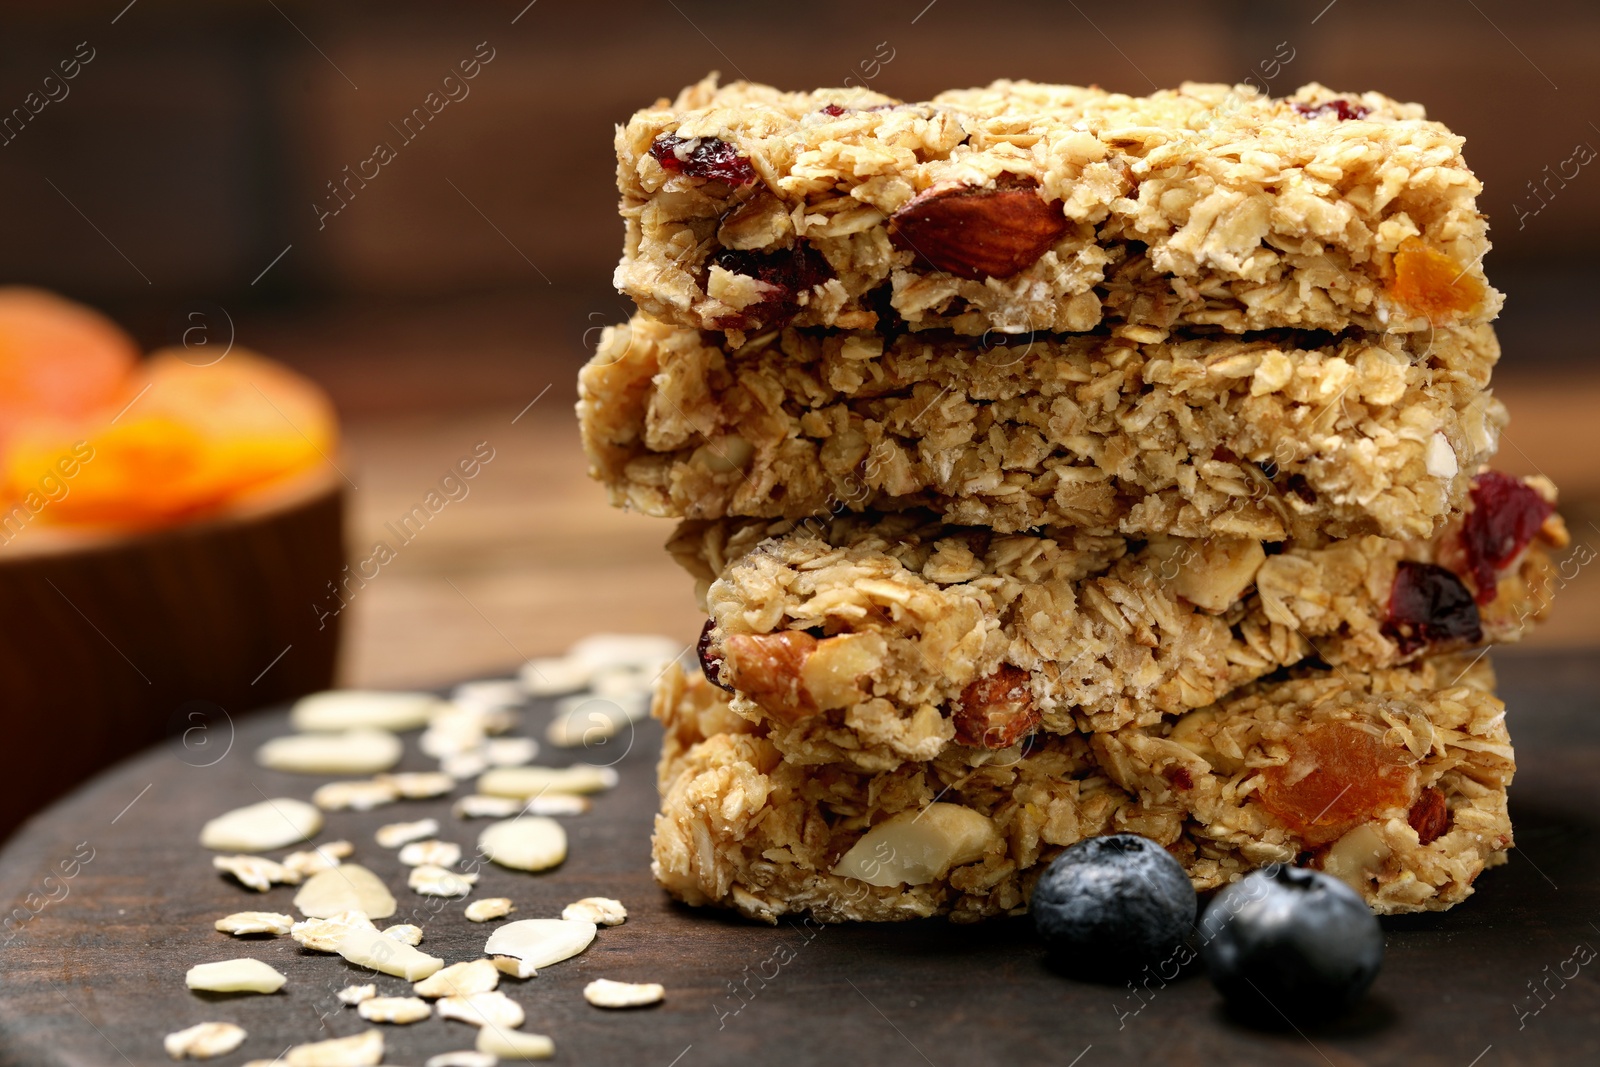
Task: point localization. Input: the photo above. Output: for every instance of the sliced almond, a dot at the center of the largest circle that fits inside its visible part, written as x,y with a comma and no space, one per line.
433,881
260,827
513,967
398,1010
540,942
558,804
514,1044
525,782
604,993
585,720
358,1050
490,908
455,730
347,887
489,693
463,765
462,1059
918,847
363,794
459,980
482,1009
602,911
396,834
363,751
639,651
405,933
245,923
478,806
369,948
549,675
355,709
510,751
526,843
242,975
432,852
355,994
324,935
202,1041
256,872
323,857
419,785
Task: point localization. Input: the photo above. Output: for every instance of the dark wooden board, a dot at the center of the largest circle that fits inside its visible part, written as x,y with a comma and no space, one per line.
97,977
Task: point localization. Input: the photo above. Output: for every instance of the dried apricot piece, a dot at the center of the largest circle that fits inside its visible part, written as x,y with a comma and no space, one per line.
1338,777
1431,283
58,358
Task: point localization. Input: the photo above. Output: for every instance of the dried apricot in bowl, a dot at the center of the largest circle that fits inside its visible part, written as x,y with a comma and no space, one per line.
192,439
58,358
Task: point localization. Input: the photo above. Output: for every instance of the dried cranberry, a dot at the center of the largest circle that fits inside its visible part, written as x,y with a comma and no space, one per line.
1342,108
789,273
710,158
1428,603
833,109
1506,513
710,662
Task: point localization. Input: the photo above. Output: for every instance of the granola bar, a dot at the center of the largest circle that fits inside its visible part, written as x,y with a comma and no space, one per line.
1269,437
1225,789
872,640
1023,207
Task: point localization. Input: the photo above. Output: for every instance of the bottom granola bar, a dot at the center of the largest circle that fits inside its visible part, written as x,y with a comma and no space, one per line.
1422,749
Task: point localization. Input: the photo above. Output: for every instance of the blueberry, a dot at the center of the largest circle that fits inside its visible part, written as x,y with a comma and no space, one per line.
1112,904
1291,941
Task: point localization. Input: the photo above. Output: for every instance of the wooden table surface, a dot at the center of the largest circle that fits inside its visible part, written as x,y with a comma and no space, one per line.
96,977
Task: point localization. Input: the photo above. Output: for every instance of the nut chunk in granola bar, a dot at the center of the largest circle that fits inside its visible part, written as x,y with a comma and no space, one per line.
870,640
1270,437
1023,207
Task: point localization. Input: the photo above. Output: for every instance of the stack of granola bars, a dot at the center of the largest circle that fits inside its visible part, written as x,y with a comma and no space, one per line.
1053,463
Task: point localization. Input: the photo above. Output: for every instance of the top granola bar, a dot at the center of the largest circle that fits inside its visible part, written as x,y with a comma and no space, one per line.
1024,207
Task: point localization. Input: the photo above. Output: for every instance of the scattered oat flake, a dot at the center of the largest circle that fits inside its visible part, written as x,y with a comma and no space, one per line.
204,1040
557,804
363,794
260,827
514,1044
478,806
353,709
540,942
369,948
513,967
489,693
244,923
436,853
640,651
396,834
358,1050
433,881
585,720
602,911
362,751
526,843
482,1009
324,935
624,681
419,785
461,765
323,857
482,911
460,980
462,1059
256,872
242,975
355,994
347,887
604,993
405,933
510,751
526,782
397,1010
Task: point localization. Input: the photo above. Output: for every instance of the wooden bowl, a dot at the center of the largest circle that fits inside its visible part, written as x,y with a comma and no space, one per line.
114,642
